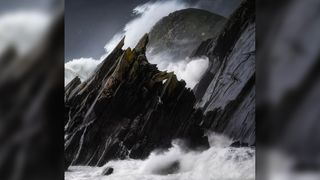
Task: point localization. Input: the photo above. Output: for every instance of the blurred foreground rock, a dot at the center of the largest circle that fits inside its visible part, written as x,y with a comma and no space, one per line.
31,108
226,92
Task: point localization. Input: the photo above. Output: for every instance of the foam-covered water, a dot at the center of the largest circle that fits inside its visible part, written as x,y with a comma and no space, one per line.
217,163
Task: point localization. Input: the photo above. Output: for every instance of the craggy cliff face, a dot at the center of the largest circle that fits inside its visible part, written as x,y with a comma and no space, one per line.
226,92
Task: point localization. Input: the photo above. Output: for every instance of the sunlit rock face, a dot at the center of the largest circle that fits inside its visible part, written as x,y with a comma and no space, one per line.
127,109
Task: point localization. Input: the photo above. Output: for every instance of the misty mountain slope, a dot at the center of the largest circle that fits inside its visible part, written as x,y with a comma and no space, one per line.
182,31
226,92
128,108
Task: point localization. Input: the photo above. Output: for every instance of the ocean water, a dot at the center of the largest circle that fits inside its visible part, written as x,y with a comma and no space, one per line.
219,162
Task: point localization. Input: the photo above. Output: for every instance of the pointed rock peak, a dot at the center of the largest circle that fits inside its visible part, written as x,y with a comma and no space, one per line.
128,55
72,85
119,45
74,82
142,44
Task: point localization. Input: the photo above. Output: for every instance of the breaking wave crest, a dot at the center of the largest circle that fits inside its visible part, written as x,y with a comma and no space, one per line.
216,163
82,68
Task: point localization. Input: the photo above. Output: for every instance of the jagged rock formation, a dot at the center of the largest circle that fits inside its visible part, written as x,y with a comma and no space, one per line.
179,33
226,92
127,109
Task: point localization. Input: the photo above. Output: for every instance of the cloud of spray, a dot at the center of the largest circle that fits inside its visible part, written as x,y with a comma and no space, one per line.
188,69
22,30
82,68
218,162
147,15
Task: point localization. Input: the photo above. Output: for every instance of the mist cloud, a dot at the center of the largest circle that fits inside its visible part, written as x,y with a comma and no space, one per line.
82,68
22,30
188,69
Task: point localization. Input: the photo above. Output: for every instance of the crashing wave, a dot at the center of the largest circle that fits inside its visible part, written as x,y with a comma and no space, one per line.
218,162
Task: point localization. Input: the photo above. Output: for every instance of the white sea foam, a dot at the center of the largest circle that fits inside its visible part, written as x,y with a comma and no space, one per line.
188,69
217,163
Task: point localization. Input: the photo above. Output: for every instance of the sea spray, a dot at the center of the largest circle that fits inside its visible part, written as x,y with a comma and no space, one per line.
218,162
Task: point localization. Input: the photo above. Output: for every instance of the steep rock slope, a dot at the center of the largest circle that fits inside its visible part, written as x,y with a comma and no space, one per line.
179,33
226,92
127,109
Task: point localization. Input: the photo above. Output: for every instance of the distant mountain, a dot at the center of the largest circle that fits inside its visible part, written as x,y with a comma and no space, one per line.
182,31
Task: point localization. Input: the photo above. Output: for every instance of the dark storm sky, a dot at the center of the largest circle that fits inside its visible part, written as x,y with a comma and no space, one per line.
90,24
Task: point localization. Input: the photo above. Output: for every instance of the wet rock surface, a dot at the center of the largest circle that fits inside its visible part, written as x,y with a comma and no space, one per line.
226,92
107,171
239,144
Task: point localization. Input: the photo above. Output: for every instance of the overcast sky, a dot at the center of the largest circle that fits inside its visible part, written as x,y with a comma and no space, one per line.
27,5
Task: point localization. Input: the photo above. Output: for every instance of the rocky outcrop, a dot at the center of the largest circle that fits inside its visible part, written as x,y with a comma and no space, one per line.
170,168
179,33
107,171
127,109
226,92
